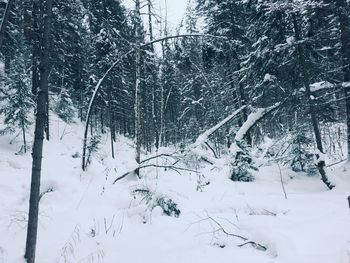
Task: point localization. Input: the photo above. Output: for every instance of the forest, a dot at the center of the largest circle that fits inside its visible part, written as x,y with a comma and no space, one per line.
225,137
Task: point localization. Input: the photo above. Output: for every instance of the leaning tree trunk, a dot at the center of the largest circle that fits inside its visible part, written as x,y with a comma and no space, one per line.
137,106
4,21
320,162
44,69
344,23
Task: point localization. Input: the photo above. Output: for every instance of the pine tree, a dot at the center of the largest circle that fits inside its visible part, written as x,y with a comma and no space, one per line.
17,99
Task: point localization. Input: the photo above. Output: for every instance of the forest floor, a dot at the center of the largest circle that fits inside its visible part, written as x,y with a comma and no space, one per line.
87,218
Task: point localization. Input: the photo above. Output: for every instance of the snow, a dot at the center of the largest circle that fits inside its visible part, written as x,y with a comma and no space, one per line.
320,86
88,219
252,119
204,136
290,40
269,77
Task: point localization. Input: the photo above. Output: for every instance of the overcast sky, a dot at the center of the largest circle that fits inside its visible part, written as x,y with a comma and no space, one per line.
176,9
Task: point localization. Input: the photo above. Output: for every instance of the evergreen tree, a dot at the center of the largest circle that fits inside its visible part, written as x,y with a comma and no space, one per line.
17,99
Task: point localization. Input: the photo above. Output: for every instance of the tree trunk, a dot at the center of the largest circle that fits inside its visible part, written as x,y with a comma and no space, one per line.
47,122
32,227
27,20
345,51
24,136
111,127
35,46
154,116
4,21
137,106
321,164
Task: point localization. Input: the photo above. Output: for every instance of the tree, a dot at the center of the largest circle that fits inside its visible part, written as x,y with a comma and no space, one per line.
41,113
137,105
18,101
342,8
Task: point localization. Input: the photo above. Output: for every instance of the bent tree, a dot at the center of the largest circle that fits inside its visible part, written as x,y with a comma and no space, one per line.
110,69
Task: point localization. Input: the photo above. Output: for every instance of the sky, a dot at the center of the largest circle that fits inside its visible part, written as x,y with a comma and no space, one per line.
175,9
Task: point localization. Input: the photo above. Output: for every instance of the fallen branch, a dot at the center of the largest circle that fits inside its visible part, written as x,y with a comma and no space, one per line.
284,190
211,148
111,68
330,165
157,156
247,241
204,136
170,167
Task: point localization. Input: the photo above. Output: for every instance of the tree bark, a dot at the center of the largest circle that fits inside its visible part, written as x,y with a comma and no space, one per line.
4,21
320,162
24,136
44,69
154,116
35,38
137,106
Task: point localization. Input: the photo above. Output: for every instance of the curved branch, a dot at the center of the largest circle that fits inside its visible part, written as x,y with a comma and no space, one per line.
100,82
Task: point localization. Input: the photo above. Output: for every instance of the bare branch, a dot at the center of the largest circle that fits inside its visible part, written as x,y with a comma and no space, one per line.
49,190
100,82
170,167
252,243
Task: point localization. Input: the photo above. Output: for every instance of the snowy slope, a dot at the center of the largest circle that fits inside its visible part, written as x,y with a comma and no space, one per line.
88,219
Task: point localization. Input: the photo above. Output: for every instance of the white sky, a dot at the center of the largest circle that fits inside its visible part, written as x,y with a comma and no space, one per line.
175,11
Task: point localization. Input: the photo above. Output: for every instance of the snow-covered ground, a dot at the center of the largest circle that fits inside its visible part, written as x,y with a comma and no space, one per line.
87,218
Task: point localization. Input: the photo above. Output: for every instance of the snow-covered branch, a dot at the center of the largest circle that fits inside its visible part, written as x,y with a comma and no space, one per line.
253,119
204,136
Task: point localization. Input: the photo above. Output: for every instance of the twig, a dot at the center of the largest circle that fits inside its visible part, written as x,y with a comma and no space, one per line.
157,156
211,148
330,165
174,168
284,190
254,244
49,190
110,225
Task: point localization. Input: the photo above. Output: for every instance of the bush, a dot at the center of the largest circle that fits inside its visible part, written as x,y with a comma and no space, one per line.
92,147
243,165
169,207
